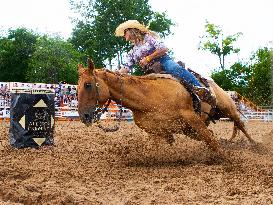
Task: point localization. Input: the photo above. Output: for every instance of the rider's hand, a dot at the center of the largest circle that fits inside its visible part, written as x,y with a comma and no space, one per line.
143,62
123,70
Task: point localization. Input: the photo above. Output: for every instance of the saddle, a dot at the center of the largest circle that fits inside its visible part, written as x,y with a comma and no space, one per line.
156,67
153,67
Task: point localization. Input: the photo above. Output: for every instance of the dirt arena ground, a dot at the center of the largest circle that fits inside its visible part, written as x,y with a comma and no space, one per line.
89,166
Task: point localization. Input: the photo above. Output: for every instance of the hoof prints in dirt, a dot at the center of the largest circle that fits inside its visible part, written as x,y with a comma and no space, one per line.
87,166
160,164
242,144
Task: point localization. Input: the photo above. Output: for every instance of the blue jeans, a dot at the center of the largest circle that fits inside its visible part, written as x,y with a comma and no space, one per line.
173,68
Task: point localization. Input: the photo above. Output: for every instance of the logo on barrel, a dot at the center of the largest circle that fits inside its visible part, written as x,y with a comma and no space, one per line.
38,122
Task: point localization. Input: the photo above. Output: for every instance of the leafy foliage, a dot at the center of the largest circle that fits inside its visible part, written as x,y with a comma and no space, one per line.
94,32
215,42
15,52
254,81
260,82
54,60
28,57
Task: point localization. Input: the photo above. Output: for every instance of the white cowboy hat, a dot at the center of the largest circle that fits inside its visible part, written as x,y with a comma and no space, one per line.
130,24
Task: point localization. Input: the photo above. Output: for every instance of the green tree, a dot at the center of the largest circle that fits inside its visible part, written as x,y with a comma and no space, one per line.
271,74
253,79
215,42
94,33
260,82
234,79
54,60
15,51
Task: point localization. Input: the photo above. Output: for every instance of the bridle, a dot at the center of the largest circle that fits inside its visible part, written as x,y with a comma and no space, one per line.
98,111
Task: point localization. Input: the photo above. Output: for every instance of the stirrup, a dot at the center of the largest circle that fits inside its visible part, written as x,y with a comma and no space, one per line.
205,95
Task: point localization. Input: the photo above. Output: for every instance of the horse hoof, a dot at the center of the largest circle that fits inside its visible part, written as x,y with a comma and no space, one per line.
171,141
219,159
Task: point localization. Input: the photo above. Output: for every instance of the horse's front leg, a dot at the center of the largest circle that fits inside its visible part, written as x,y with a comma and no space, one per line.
202,131
168,137
157,133
156,126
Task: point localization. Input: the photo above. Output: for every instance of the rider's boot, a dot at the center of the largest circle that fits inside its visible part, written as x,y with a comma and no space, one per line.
205,95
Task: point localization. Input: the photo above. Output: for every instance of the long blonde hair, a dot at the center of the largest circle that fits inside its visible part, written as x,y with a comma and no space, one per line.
138,35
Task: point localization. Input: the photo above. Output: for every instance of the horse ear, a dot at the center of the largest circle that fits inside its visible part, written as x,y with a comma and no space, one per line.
80,69
90,64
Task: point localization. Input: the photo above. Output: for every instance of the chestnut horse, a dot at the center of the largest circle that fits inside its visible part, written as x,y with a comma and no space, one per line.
161,106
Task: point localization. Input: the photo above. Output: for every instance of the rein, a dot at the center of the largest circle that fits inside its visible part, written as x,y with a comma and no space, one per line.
99,111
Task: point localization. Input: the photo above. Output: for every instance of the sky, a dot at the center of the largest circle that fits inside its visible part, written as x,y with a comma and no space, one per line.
254,18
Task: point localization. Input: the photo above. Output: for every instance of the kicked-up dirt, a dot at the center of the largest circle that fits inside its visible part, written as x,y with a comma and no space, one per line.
126,167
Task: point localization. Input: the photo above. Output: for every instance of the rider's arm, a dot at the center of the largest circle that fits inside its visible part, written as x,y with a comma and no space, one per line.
124,70
156,54
128,63
159,49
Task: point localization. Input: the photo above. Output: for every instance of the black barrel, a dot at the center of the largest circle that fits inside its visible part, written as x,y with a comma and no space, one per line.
32,116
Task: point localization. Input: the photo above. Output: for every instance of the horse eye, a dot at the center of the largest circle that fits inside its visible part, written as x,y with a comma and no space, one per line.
88,86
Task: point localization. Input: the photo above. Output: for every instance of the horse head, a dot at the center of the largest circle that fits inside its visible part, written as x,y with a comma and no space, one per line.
93,93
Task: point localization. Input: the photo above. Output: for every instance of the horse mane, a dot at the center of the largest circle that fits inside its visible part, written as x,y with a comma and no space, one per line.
159,75
138,79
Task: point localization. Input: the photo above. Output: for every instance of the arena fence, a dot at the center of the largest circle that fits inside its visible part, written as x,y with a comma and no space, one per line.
65,100
66,103
265,116
249,110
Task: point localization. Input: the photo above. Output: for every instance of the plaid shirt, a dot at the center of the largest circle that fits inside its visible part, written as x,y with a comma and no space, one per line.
139,51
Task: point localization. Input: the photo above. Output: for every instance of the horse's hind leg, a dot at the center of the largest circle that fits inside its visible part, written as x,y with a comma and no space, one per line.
202,131
234,133
240,125
233,114
169,138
